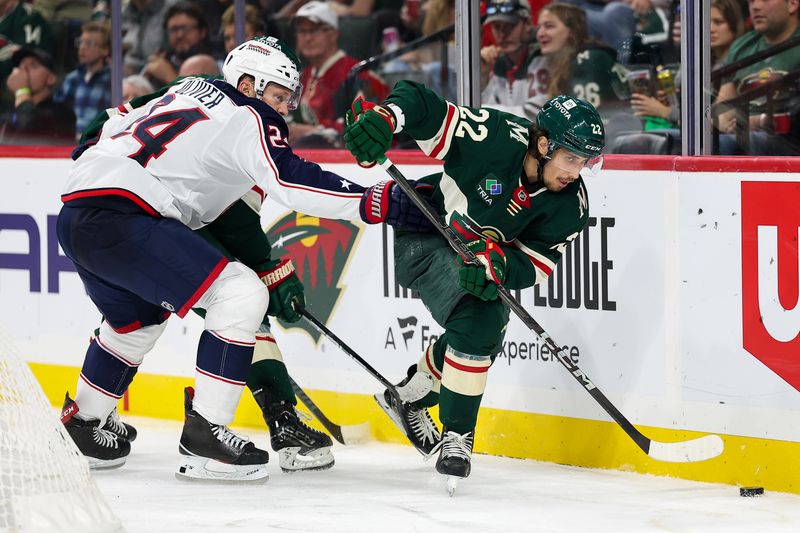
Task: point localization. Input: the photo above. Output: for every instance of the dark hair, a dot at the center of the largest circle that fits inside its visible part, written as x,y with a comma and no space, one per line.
534,134
190,10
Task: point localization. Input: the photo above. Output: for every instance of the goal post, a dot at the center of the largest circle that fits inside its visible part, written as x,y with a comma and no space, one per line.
45,483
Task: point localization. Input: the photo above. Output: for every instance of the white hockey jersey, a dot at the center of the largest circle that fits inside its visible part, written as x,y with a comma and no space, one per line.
199,148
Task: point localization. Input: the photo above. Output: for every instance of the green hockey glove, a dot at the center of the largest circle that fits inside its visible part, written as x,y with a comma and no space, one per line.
368,132
482,280
284,286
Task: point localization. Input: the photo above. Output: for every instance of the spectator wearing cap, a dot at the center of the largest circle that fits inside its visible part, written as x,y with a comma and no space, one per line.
87,89
187,35
36,117
21,25
319,119
504,64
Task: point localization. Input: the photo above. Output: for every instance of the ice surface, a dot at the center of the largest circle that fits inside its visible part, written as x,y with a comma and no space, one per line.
384,488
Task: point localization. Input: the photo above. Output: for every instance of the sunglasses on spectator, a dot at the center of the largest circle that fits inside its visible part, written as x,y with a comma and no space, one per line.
504,8
185,28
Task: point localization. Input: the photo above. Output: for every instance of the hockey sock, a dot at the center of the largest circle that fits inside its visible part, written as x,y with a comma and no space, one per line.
268,370
463,383
431,363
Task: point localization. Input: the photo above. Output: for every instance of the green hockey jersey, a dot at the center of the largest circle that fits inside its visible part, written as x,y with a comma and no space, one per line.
483,190
23,26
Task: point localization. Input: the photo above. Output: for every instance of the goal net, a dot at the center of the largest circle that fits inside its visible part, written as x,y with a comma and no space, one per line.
45,484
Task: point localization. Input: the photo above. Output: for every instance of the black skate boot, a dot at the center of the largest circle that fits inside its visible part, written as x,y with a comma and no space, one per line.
116,426
212,452
414,421
101,447
298,446
455,457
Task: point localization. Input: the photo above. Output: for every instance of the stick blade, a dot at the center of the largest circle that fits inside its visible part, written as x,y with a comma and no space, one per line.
689,451
356,434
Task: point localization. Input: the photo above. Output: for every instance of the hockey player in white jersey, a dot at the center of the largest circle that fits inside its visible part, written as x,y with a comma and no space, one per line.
131,202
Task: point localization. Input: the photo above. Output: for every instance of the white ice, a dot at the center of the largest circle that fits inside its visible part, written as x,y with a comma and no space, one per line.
384,488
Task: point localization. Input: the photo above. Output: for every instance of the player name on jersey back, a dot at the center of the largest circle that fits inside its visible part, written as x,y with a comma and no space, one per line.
202,91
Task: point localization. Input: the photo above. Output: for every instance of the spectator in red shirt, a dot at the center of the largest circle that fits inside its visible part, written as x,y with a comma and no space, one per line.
319,120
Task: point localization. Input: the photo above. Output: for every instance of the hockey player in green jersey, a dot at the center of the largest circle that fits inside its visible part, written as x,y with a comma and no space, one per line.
513,192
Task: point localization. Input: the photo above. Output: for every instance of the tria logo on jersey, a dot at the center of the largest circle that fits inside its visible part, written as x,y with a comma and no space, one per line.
320,250
771,276
491,187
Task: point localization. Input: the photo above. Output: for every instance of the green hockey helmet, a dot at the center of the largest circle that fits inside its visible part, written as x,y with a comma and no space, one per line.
572,124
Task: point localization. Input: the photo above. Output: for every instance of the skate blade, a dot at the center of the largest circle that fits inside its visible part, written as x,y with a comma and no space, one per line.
394,417
452,484
205,470
291,460
105,464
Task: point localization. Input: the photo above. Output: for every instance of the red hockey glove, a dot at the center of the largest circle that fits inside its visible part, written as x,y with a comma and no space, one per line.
482,280
284,287
386,202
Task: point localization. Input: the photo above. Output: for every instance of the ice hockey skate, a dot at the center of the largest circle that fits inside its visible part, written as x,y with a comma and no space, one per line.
455,456
213,453
102,448
121,429
299,447
415,422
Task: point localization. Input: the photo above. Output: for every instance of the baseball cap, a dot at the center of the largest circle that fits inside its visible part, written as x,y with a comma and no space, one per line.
511,11
319,13
43,57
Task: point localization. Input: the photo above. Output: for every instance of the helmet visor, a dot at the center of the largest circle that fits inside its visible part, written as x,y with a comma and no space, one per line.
576,164
294,100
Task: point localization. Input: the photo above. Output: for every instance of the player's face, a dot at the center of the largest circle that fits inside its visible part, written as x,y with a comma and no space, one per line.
552,33
277,98
563,168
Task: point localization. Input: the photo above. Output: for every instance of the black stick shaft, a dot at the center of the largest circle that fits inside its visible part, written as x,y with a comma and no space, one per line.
468,256
334,429
344,347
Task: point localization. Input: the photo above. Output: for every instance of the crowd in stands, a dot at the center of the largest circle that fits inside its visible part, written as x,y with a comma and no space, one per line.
623,56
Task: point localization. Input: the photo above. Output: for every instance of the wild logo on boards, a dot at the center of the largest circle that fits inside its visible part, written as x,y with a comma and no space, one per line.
321,250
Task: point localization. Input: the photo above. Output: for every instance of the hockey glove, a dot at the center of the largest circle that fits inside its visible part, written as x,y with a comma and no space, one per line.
482,280
386,202
368,132
284,286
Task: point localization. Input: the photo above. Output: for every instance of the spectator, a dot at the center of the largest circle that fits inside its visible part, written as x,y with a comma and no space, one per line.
199,65
727,25
612,21
87,89
774,22
319,119
504,64
134,86
253,25
143,32
36,117
187,35
21,25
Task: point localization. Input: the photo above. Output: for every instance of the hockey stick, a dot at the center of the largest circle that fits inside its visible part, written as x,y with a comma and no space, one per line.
699,449
410,392
353,434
